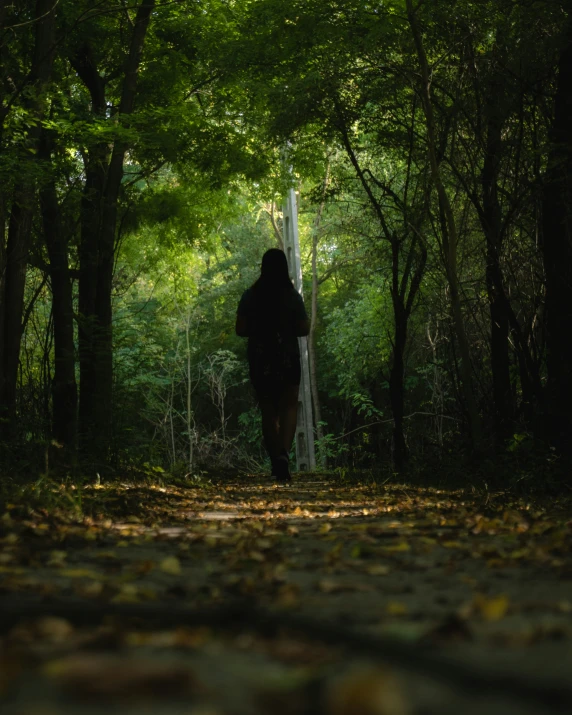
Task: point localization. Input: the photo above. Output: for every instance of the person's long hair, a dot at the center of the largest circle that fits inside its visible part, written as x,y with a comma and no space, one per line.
269,290
274,277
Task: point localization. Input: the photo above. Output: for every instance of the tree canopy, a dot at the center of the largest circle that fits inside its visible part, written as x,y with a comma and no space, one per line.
142,167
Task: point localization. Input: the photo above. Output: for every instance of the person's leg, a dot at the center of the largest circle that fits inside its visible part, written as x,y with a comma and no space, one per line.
287,416
270,430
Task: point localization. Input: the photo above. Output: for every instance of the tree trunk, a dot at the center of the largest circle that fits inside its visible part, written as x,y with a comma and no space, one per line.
104,175
491,219
64,387
88,263
557,253
396,383
17,247
322,457
2,285
20,225
103,308
95,159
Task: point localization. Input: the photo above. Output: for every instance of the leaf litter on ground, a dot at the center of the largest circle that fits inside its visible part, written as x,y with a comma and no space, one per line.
421,565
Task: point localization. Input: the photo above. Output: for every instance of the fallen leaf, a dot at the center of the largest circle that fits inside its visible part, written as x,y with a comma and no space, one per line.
106,676
81,573
396,548
365,691
396,608
377,570
171,565
54,629
491,609
57,558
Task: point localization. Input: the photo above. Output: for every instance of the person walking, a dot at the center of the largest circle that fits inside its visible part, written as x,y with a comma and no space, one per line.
271,314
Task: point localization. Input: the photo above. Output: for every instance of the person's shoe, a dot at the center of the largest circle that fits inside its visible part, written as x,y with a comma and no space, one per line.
281,468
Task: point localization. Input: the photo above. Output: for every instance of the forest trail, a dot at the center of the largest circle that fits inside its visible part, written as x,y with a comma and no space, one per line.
246,597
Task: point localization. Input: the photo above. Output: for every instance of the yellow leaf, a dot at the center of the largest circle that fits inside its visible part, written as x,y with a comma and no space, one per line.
288,595
54,629
365,690
452,544
401,546
335,552
324,528
128,594
57,558
80,573
378,570
256,556
15,571
171,565
395,608
519,553
326,585
91,589
492,609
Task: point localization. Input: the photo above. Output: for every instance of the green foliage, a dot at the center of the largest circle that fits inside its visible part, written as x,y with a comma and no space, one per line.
229,95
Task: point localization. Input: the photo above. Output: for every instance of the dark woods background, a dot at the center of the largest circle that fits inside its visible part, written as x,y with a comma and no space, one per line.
141,177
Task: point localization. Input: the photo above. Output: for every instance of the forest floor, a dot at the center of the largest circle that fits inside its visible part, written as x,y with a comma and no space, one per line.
246,598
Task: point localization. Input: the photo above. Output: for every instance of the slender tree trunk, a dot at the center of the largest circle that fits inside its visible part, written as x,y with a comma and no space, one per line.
404,290
17,247
314,319
557,250
23,204
2,286
499,320
88,263
450,238
396,383
64,387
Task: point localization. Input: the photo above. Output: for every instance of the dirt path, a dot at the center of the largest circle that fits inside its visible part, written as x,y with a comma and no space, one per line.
248,598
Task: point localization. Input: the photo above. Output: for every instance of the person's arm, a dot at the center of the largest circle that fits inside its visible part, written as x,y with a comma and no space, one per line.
241,326
303,328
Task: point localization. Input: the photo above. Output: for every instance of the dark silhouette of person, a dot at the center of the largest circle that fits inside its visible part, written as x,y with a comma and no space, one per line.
271,314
